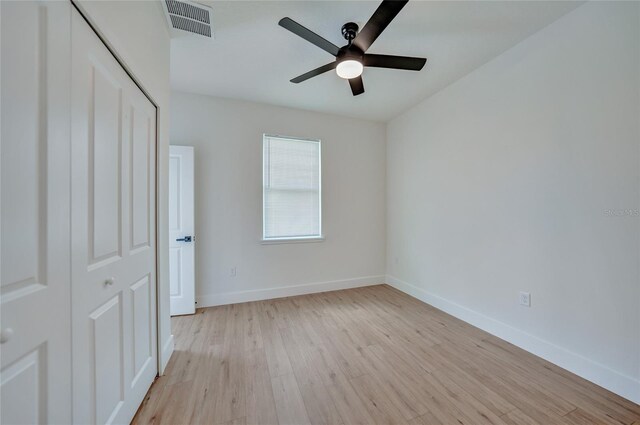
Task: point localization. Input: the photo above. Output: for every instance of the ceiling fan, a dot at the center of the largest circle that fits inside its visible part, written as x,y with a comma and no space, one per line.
351,58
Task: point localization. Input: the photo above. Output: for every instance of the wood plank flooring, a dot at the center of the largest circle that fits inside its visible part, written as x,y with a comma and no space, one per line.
369,355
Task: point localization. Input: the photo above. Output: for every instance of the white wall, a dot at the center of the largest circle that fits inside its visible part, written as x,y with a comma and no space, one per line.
138,33
227,136
503,182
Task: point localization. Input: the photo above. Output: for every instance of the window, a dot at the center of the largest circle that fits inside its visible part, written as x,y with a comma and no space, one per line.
291,197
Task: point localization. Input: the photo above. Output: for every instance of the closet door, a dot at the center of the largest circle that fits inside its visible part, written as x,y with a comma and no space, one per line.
113,261
35,274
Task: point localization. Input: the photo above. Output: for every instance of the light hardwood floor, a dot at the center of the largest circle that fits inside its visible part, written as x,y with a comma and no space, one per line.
362,356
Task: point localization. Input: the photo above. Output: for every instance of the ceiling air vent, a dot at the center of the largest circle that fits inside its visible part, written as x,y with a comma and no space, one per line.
186,17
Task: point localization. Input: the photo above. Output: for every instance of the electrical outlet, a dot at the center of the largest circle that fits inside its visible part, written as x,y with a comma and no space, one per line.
233,272
525,299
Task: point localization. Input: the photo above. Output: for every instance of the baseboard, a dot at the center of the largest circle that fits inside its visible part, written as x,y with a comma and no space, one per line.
599,374
165,355
210,300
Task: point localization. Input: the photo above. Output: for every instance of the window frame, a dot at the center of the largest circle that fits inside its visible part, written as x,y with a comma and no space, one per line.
289,239
292,239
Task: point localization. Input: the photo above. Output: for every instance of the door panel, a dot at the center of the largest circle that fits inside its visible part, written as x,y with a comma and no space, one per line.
181,224
35,203
113,261
141,139
107,359
175,273
105,144
142,321
23,390
23,236
174,190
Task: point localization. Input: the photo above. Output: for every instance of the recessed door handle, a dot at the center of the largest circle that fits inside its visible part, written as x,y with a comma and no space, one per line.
185,239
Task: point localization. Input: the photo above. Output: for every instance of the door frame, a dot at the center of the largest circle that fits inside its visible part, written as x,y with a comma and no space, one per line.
78,7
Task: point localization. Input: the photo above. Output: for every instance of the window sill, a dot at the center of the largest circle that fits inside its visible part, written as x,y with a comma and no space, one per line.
292,240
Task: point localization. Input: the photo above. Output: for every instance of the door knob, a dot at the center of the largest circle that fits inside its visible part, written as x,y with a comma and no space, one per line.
185,239
109,281
5,335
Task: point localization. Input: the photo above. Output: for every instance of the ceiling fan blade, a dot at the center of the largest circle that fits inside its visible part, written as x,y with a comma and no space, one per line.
395,62
382,17
357,86
309,35
314,72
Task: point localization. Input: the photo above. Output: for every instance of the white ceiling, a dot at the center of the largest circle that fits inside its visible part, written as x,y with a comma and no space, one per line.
252,58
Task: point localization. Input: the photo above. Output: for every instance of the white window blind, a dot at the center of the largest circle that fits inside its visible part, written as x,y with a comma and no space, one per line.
291,188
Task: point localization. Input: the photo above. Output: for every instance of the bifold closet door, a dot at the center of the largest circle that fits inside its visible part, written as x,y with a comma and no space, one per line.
35,332
35,277
113,264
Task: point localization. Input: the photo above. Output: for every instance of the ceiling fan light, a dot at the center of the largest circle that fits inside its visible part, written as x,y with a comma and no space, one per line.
348,69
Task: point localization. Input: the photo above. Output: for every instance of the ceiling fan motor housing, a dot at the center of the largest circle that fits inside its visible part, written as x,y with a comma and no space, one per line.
349,52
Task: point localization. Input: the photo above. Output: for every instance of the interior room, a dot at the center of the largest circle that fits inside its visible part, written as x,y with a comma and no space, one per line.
418,212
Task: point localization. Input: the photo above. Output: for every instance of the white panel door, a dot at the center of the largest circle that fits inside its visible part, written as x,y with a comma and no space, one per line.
35,200
181,230
113,264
